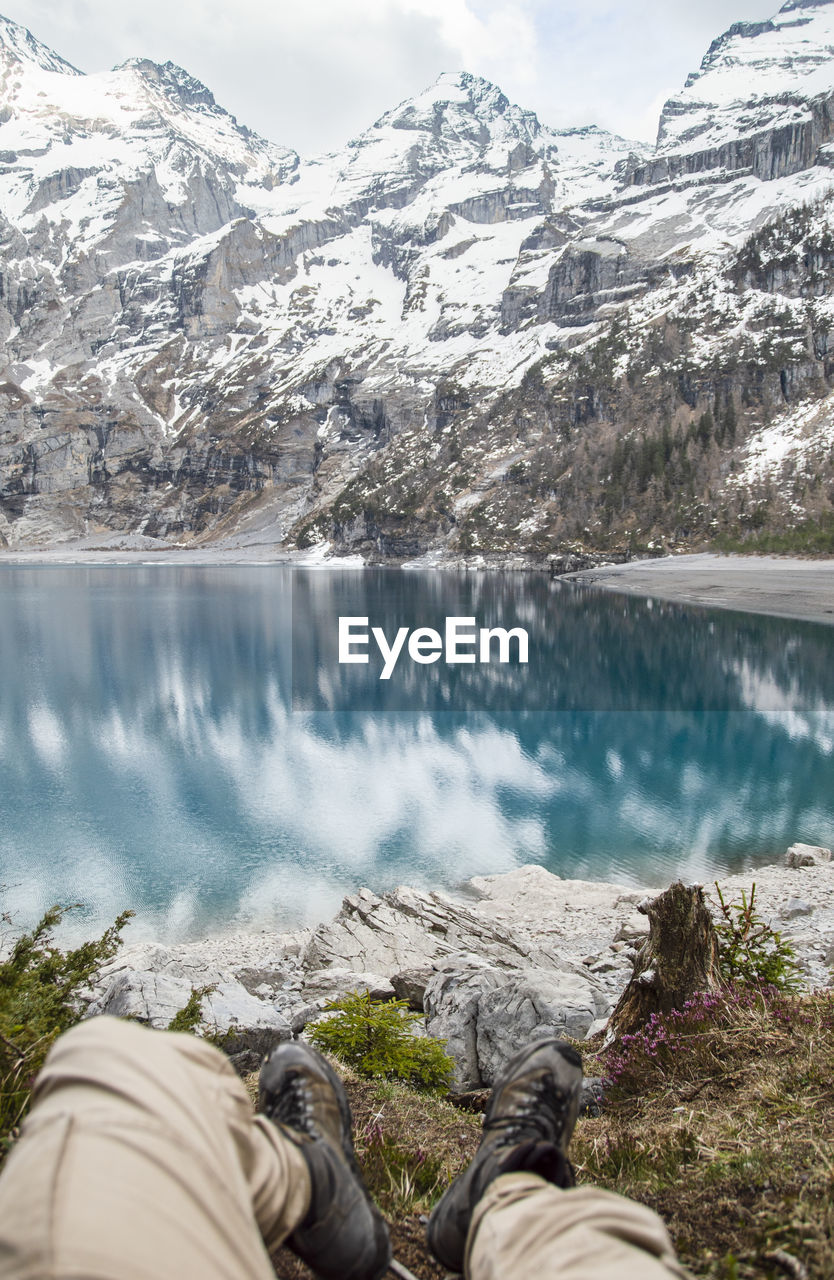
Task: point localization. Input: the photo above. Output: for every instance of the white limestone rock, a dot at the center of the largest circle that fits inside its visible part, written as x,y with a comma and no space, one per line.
795,907
635,926
251,959
323,985
155,998
148,997
525,918
407,929
486,1014
806,855
451,1002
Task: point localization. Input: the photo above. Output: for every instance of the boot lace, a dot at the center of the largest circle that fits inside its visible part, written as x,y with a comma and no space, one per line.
293,1106
539,1113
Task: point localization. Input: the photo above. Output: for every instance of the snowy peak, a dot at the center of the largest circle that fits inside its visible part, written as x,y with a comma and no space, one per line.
185,107
757,77
465,108
460,124
771,56
141,106
173,80
17,44
793,5
722,48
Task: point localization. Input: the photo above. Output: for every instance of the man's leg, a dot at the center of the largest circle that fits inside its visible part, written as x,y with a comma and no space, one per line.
141,1160
524,1226
515,1212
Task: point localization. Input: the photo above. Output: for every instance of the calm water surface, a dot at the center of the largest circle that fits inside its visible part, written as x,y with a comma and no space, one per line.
181,741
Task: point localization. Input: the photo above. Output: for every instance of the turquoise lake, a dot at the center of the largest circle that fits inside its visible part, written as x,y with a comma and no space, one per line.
183,741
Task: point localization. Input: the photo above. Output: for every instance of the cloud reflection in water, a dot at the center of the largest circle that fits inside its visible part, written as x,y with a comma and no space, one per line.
149,755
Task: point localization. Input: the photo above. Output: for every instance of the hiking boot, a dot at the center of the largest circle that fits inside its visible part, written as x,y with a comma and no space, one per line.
343,1234
528,1125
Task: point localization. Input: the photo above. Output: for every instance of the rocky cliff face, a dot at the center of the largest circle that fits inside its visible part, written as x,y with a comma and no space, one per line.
464,333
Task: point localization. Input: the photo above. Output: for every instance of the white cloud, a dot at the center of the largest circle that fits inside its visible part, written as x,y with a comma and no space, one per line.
491,39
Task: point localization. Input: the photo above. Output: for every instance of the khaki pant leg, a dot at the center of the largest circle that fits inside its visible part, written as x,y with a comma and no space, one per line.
525,1227
141,1160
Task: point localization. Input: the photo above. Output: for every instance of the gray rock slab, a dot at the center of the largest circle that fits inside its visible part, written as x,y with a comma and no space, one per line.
528,917
570,918
526,1006
155,998
248,1022
332,984
807,855
634,927
410,985
795,907
148,997
486,1014
452,1001
407,929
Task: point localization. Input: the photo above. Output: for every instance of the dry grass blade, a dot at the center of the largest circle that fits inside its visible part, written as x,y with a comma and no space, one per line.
788,1264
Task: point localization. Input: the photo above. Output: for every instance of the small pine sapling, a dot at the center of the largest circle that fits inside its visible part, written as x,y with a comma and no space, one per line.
378,1039
750,951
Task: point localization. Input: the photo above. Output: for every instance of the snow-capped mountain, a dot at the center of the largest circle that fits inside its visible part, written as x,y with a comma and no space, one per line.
464,332
756,77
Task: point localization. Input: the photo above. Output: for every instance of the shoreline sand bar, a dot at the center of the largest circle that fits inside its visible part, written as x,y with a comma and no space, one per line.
776,585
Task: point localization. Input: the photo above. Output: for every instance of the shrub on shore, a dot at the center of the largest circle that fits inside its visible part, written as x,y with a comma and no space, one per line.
750,951
379,1038
40,986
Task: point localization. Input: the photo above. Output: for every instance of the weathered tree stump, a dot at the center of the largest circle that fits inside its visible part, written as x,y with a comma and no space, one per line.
679,957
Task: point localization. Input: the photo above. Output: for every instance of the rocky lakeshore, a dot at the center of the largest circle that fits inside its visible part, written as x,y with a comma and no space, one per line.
505,959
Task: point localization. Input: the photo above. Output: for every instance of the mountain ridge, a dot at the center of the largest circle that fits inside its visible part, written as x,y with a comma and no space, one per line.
18,42
463,333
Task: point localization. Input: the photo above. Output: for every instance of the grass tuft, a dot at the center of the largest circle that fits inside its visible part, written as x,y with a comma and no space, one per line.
730,1138
727,1133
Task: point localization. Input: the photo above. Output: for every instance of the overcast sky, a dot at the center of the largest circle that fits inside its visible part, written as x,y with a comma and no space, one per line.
311,74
